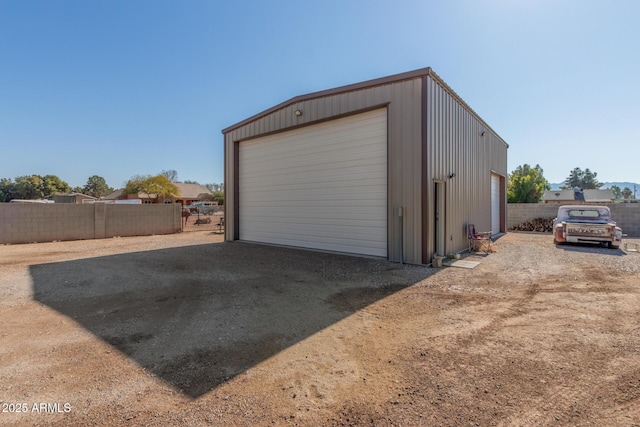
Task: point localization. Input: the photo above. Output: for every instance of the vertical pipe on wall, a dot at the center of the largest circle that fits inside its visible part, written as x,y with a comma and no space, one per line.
401,235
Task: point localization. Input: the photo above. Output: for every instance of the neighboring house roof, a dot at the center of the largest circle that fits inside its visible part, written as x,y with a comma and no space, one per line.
113,196
192,191
187,191
75,194
71,197
599,195
86,196
558,195
592,196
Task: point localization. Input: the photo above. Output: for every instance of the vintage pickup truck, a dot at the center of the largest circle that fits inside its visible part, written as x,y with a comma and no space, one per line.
586,224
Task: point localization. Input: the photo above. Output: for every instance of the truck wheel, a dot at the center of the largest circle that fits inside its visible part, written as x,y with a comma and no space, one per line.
612,246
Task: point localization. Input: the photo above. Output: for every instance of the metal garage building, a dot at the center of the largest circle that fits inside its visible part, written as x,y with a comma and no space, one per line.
393,167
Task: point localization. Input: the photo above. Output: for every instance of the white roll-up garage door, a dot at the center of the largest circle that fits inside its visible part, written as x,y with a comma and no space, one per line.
495,204
322,186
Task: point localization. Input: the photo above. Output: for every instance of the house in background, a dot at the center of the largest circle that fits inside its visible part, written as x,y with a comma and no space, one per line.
394,167
189,193
77,198
579,196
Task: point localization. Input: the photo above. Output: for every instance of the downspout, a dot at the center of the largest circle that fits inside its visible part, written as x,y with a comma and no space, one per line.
401,235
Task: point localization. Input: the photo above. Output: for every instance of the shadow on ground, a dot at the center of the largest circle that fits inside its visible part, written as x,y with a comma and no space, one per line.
590,248
197,316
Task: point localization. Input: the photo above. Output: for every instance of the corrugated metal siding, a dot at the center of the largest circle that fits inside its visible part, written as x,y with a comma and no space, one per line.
451,143
403,100
455,145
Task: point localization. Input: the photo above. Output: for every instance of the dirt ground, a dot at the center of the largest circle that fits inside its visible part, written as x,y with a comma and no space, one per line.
188,330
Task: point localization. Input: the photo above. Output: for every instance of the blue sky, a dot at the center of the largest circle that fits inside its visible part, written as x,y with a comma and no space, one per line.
123,88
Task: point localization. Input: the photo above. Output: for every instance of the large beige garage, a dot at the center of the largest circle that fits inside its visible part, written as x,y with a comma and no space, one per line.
394,167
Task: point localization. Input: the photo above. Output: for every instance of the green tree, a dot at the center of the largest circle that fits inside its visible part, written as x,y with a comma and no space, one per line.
154,187
586,180
218,196
573,180
627,193
29,187
617,192
7,190
527,184
51,185
96,186
589,180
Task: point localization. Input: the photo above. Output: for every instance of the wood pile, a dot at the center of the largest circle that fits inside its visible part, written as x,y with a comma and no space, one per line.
540,225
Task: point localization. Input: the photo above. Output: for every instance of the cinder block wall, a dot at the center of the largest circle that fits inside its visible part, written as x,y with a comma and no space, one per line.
626,215
138,220
35,222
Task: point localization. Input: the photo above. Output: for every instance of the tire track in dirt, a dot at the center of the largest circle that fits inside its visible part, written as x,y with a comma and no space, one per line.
517,308
560,397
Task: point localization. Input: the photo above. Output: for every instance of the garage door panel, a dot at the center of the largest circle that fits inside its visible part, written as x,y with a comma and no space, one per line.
350,179
315,217
348,235
329,145
320,166
278,148
302,193
303,231
322,186
317,214
312,237
324,157
356,209
335,186
331,161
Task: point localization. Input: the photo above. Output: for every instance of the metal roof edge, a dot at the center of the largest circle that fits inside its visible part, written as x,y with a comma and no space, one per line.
422,72
408,75
462,101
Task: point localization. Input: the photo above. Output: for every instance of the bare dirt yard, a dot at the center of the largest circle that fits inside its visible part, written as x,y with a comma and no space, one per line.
188,330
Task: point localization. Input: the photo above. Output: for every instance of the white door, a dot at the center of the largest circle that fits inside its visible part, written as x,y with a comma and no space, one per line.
322,186
439,218
495,204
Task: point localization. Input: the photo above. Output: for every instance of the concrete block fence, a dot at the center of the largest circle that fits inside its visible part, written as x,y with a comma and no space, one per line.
35,222
627,215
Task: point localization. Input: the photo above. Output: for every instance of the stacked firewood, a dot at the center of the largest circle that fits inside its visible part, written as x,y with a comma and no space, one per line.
541,225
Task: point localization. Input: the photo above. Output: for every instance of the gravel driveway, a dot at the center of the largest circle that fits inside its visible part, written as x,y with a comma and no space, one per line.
186,329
